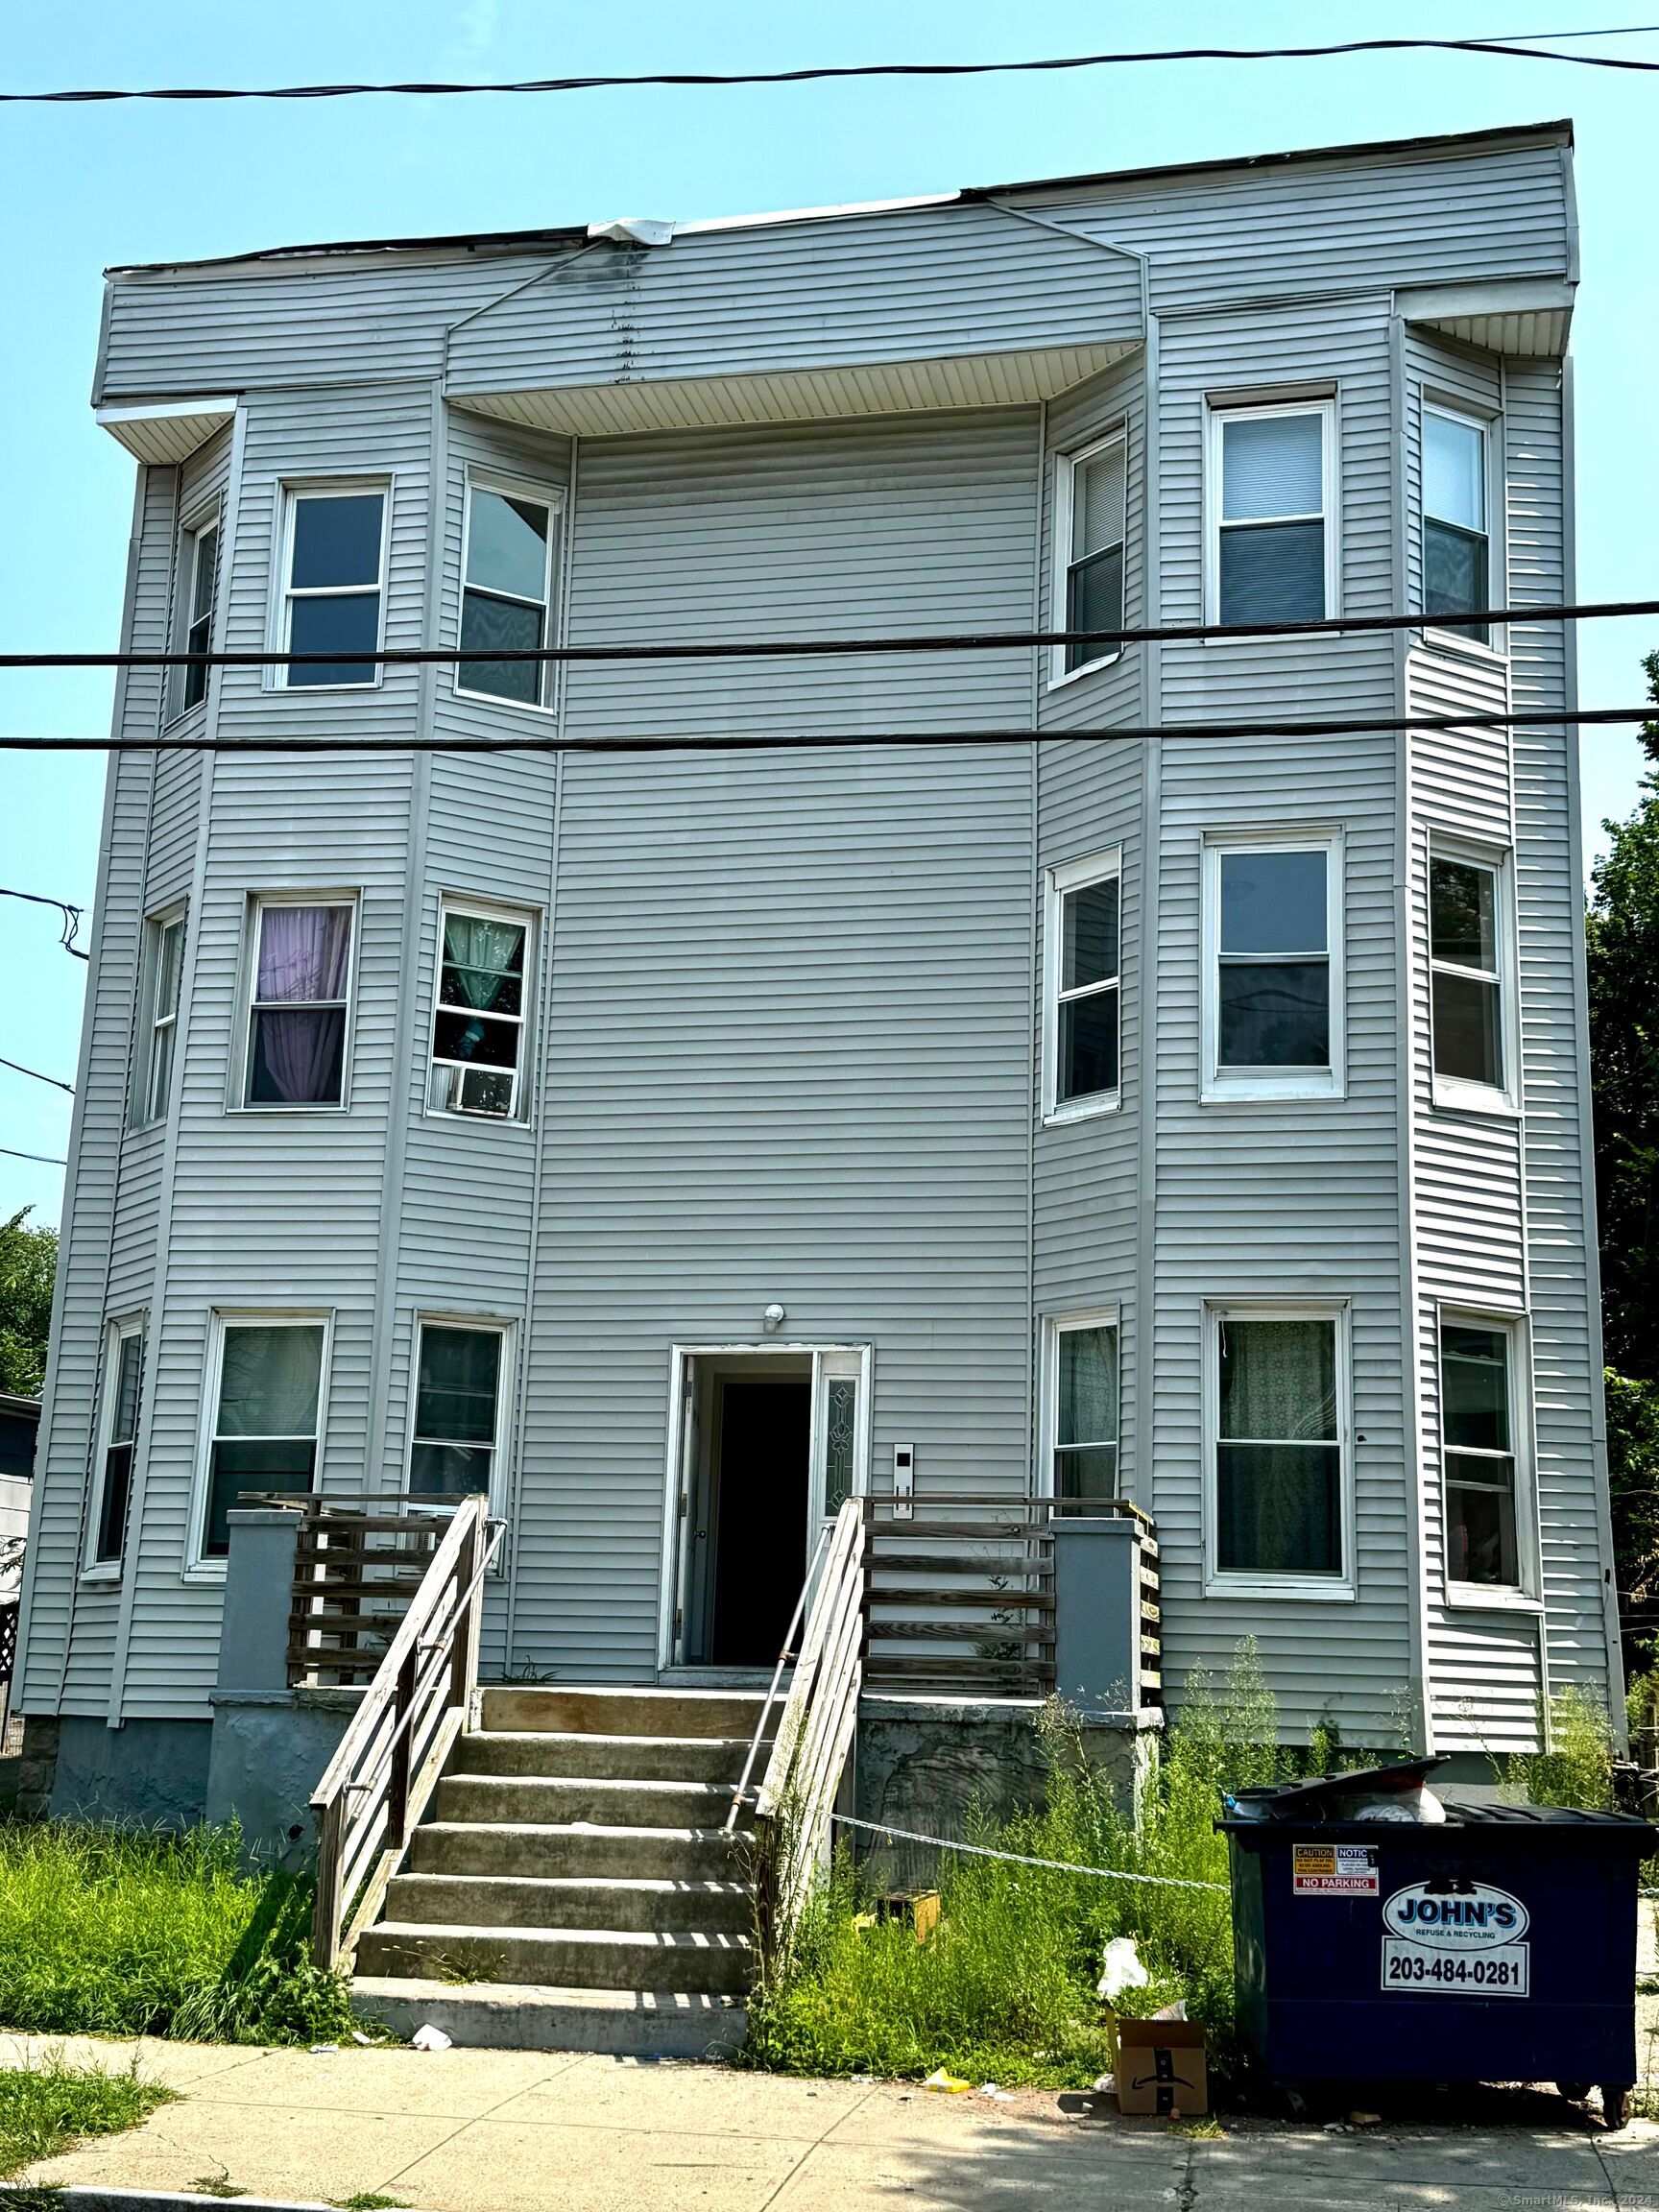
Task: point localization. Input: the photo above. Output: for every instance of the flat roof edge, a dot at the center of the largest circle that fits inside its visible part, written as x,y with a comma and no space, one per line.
461,243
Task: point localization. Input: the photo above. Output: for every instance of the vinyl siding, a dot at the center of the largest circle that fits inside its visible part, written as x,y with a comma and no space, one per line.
787,1009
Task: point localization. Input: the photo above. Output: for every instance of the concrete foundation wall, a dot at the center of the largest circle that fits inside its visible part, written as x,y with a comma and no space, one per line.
148,1773
930,1764
268,1755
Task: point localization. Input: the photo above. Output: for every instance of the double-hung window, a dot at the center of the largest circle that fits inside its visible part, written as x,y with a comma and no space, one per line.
1082,1388
455,1437
507,595
1468,968
164,969
1272,554
333,583
1083,986
266,1415
202,548
123,1378
297,1005
1272,1006
1479,1428
1277,1447
1456,524
1090,512
478,1024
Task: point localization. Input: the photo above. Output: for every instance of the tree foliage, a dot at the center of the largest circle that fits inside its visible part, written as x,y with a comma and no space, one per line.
28,1263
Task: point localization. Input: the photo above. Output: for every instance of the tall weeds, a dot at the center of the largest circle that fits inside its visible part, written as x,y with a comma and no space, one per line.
109,1930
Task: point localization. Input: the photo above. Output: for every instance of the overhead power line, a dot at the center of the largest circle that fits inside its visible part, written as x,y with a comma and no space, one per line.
56,1082
46,1158
1521,46
72,915
775,648
804,740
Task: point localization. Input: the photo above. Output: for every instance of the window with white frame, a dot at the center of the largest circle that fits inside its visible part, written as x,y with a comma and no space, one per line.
1090,514
1456,526
267,1411
299,997
507,593
333,583
1272,1015
1467,968
1083,985
1278,1444
1479,1432
455,1435
1083,1405
478,1024
200,582
123,1382
1272,535
164,968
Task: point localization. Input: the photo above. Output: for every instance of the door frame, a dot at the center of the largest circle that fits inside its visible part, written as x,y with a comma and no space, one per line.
682,1384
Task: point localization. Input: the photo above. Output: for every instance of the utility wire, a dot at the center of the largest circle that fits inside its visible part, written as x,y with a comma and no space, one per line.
72,915
798,741
773,648
46,1158
56,1082
1522,46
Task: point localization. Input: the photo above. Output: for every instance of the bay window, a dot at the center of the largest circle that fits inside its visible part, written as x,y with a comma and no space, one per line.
113,1487
1272,550
1090,513
1479,1430
1277,1447
1272,1003
507,592
1082,987
1082,1396
1456,545
1468,977
478,1024
299,1002
333,584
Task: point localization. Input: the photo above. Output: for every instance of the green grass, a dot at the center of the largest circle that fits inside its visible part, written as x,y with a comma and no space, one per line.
113,1931
47,2108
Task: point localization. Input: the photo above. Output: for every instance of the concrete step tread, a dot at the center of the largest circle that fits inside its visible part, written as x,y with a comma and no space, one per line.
440,1931
587,1737
706,1792
557,1830
632,1884
517,1995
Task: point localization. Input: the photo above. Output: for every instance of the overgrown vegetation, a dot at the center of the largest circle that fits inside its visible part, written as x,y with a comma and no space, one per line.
109,1930
46,2108
1005,1989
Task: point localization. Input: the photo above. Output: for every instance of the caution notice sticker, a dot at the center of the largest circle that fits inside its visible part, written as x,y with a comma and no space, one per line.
1335,1870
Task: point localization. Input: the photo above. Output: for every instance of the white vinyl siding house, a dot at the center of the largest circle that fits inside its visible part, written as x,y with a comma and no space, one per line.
1197,1123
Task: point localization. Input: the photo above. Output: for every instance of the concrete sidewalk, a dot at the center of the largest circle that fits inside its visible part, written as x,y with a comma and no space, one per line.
524,2131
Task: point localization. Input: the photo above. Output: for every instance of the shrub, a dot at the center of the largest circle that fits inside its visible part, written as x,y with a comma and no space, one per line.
109,1931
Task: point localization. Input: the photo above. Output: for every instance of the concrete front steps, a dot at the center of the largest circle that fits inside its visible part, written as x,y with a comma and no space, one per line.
577,1887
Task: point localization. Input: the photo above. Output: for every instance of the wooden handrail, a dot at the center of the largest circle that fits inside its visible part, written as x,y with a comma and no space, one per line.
797,1794
377,1784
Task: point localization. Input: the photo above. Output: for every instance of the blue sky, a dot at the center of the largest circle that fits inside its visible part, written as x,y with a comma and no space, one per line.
86,186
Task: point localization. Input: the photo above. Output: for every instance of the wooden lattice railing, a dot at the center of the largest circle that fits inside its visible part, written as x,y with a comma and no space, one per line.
357,1564
380,1780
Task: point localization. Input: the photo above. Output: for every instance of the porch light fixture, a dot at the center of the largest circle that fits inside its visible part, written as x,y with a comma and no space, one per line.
773,1319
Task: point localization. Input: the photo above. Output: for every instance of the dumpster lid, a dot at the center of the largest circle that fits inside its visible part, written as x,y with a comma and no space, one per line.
1326,1796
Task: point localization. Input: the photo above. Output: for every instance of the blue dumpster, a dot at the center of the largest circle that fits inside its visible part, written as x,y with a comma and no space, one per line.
1499,1946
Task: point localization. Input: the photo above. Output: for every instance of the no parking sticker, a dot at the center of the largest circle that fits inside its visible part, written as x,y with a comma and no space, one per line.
1335,1869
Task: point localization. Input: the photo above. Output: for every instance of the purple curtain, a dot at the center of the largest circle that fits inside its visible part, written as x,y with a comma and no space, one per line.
305,952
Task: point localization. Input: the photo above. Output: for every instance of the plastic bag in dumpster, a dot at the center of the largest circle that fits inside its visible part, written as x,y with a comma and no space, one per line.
1397,1792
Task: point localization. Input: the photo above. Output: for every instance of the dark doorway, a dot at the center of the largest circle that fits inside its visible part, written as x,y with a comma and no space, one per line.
760,1516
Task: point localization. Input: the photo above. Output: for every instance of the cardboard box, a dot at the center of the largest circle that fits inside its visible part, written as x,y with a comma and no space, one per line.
1161,2067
